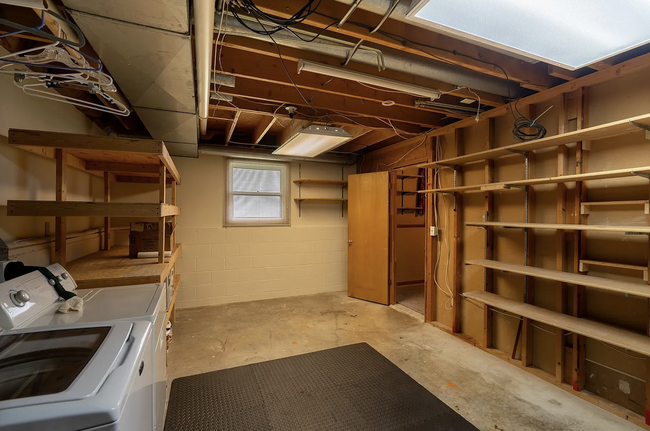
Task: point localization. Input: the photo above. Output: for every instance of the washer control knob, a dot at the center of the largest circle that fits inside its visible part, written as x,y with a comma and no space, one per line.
20,298
64,275
52,282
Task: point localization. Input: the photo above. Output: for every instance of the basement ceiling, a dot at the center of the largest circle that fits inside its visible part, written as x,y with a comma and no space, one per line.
146,45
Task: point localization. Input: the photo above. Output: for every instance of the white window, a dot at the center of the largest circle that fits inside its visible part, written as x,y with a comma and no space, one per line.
258,193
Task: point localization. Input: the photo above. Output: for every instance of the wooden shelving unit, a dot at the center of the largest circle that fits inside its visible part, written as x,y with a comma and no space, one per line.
568,227
585,264
585,207
401,192
608,334
342,183
113,159
603,131
114,268
518,184
637,289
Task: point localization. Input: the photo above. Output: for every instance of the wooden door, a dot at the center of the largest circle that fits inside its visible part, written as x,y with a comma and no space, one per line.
368,236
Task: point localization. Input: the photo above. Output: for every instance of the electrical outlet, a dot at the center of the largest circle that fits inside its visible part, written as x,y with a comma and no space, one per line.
434,231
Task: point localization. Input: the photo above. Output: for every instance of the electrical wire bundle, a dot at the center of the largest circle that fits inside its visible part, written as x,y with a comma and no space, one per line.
279,23
526,129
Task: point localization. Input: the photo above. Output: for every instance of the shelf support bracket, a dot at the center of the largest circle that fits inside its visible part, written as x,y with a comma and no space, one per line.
448,165
641,174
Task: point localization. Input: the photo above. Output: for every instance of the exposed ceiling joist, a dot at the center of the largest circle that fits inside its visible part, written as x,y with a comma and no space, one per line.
230,128
324,101
294,55
249,106
451,50
263,126
266,69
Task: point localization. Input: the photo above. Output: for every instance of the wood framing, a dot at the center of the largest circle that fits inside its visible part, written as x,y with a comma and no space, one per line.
90,209
60,229
488,209
162,190
263,126
608,334
107,220
457,250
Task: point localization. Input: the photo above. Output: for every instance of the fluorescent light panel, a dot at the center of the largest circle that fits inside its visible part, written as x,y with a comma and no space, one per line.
313,140
351,75
569,34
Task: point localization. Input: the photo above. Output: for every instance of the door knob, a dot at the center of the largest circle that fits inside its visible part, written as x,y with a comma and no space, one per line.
349,242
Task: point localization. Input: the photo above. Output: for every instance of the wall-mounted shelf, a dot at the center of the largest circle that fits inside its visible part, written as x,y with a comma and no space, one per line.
321,200
342,183
603,131
514,185
409,208
585,207
637,289
608,334
90,209
313,181
585,264
558,226
403,176
407,192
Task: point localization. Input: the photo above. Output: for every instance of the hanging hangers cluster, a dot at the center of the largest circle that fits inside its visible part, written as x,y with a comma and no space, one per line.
66,67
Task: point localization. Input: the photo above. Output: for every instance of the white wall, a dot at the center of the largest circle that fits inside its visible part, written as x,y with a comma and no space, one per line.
24,175
223,265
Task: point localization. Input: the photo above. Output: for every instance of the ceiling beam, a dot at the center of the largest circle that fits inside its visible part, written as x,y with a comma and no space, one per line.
325,101
451,50
263,126
294,55
269,69
230,128
248,106
371,138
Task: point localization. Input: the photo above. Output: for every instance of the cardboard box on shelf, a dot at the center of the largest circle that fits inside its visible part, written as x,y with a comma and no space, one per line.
144,237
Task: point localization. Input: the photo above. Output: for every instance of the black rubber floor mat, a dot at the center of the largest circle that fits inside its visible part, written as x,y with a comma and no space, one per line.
346,388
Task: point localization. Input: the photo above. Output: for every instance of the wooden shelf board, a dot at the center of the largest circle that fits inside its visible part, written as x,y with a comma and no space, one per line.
334,200
585,263
614,203
637,289
617,173
407,192
114,268
603,131
320,182
409,208
402,176
554,226
90,209
172,303
93,151
608,334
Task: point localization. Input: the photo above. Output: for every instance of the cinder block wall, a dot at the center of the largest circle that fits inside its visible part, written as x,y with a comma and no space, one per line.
223,265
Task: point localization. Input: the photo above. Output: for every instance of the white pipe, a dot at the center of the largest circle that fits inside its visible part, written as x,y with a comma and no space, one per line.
203,35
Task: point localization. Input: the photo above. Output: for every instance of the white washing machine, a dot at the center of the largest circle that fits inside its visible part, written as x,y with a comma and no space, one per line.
143,303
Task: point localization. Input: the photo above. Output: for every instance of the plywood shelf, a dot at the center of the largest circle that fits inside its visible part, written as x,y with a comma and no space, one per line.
322,200
90,209
603,131
403,176
313,181
570,227
585,207
171,310
585,264
114,268
617,173
608,334
637,289
140,157
407,192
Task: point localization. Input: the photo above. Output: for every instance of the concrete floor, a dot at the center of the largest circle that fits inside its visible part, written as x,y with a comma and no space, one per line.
488,392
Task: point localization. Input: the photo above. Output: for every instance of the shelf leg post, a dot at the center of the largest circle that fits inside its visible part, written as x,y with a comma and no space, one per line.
457,251
161,222
560,245
579,245
60,228
172,240
488,314
107,220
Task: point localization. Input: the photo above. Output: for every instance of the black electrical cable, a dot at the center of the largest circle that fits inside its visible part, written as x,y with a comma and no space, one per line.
280,23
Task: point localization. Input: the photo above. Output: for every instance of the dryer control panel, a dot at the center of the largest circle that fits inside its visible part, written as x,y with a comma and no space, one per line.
29,295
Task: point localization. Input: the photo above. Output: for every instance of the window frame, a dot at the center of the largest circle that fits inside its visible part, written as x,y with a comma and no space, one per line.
285,193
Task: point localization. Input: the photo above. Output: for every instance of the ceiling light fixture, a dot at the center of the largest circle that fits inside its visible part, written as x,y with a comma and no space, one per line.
314,140
351,75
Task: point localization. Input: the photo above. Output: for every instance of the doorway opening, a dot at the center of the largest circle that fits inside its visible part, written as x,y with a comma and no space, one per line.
410,236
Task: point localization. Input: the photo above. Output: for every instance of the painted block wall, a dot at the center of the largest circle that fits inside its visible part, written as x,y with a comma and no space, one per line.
224,265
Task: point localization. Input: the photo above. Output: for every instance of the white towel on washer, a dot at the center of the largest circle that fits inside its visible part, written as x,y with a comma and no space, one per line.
73,304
